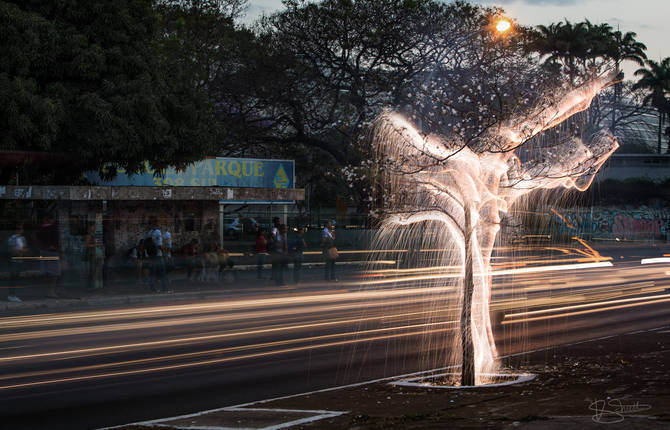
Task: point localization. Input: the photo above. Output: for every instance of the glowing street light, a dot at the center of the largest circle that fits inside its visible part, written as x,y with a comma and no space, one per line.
503,25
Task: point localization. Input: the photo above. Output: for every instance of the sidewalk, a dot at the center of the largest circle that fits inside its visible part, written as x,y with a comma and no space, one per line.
619,382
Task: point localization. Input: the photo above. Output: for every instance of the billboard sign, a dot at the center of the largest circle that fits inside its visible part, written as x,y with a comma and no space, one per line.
222,172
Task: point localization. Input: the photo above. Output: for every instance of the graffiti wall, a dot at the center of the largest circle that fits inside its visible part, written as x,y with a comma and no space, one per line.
631,222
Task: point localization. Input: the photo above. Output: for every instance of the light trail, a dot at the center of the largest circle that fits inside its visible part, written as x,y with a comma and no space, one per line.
570,314
208,362
655,260
87,347
193,320
227,305
187,340
602,293
587,305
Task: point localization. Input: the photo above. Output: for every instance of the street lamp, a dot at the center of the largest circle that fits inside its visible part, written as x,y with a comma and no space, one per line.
503,25
500,25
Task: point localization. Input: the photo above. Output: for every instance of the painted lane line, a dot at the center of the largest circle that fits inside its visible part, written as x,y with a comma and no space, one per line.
166,422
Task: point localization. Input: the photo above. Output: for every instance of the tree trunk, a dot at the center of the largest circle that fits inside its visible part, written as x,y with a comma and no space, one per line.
468,366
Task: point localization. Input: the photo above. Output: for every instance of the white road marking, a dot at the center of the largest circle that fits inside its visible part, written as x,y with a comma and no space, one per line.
243,406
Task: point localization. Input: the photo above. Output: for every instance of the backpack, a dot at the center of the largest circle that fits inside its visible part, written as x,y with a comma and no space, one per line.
150,247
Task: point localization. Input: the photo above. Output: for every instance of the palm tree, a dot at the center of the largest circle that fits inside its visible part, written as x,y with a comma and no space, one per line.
656,79
564,43
624,47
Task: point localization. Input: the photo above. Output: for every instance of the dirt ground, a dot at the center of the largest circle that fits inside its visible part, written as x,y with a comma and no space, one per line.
612,383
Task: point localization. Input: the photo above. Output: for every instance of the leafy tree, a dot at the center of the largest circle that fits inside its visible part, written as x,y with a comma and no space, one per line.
337,63
92,81
456,183
467,148
576,49
656,80
222,56
623,47
565,45
621,108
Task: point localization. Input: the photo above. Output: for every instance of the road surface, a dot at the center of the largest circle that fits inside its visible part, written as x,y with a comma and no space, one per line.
104,367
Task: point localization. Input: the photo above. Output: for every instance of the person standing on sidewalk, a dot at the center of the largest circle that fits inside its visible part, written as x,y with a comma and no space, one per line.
17,247
154,240
261,250
275,258
298,246
281,254
50,256
93,256
167,252
330,254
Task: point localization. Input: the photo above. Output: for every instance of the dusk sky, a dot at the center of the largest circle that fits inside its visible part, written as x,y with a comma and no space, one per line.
648,18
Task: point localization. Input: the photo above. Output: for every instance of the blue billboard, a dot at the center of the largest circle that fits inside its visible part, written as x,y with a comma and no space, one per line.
222,172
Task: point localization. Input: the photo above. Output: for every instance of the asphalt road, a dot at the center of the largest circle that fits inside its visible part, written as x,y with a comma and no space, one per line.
110,366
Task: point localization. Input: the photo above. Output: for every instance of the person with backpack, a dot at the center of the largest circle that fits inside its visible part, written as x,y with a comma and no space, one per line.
17,247
330,253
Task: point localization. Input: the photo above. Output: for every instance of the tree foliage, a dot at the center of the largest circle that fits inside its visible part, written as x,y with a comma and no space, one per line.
93,82
656,81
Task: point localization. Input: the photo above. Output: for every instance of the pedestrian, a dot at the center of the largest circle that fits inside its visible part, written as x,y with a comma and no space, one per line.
275,258
153,243
190,255
50,256
261,250
93,256
167,252
17,248
281,253
212,262
330,253
298,246
225,263
142,259
133,254
201,263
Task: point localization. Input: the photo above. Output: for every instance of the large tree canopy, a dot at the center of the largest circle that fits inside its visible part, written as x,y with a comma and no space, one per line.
94,82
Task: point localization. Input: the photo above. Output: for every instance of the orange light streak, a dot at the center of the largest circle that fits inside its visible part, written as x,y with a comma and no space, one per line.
204,362
569,314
